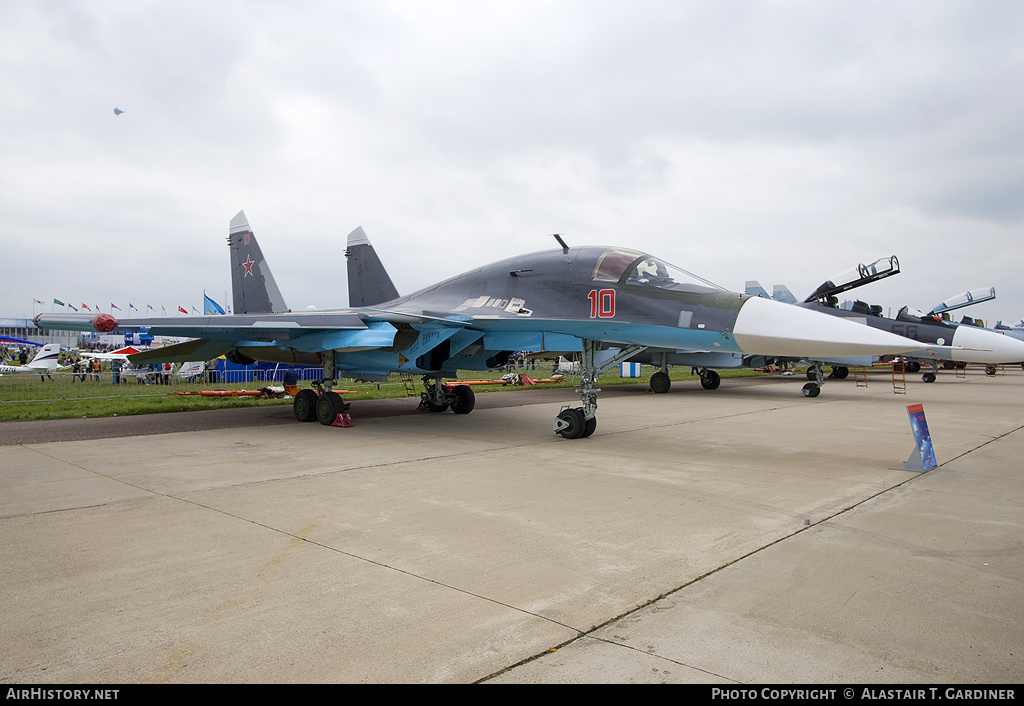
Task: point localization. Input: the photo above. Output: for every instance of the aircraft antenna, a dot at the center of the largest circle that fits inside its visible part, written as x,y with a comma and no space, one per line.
565,248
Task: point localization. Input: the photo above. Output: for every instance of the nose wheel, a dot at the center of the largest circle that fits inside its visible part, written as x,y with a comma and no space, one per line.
572,423
813,389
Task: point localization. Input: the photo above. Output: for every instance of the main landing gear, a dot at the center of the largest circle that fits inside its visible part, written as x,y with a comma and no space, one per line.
661,383
709,379
322,404
580,422
439,397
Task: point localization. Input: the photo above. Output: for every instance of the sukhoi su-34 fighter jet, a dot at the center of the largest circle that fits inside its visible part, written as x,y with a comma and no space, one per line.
607,303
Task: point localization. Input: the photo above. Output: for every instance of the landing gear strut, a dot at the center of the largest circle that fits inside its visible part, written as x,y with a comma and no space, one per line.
580,422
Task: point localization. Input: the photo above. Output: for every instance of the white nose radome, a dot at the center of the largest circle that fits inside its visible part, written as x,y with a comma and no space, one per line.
982,346
766,327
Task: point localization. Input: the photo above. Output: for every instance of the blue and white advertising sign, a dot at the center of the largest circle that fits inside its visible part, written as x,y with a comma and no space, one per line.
923,456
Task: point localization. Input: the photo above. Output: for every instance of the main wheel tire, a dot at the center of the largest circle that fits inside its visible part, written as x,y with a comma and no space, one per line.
328,407
811,390
575,421
710,380
304,406
841,372
660,382
465,399
913,367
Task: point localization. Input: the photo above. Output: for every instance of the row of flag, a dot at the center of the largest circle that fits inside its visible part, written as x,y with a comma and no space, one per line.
210,307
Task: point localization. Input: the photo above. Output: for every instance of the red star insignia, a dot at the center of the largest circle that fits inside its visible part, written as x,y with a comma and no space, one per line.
248,266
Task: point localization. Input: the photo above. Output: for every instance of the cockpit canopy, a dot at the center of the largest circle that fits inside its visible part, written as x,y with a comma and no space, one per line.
621,266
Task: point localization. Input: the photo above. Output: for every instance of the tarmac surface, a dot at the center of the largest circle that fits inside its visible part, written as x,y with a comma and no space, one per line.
742,535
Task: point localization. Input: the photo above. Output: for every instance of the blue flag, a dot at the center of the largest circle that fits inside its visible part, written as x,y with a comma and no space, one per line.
210,306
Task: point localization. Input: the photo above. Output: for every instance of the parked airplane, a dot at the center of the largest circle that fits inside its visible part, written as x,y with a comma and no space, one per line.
44,362
943,341
706,361
569,299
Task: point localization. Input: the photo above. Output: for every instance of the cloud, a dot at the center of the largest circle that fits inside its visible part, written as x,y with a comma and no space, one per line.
783,141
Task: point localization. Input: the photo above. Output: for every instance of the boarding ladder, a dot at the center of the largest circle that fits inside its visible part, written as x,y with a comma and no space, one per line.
899,377
410,384
861,376
961,370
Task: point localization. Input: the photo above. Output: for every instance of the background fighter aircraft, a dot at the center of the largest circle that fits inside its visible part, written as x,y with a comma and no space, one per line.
938,340
707,361
43,363
943,340
584,299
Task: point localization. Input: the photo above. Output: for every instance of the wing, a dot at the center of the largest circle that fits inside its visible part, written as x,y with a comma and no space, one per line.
276,337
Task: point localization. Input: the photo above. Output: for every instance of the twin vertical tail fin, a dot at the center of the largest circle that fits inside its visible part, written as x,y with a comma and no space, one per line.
253,288
368,281
754,289
781,293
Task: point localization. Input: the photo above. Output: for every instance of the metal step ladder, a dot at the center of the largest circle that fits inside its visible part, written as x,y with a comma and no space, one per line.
410,385
899,377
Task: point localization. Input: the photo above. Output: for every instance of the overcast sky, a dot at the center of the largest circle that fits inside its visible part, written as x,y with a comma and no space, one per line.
776,141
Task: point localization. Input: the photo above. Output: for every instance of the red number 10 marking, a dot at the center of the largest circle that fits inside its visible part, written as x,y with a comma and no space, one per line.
602,303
